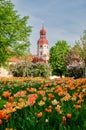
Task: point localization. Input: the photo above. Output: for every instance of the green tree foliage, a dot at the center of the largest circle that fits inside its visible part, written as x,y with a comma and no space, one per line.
25,69
80,48
57,57
14,32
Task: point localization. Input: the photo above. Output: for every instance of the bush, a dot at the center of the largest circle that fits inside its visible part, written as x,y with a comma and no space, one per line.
25,69
75,71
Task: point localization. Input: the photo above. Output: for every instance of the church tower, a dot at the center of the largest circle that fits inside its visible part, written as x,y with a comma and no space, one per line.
42,46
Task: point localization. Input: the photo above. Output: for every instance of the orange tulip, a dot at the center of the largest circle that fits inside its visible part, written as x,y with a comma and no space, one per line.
50,95
80,101
8,117
77,106
6,94
0,121
64,120
48,110
2,114
69,116
50,107
11,98
39,115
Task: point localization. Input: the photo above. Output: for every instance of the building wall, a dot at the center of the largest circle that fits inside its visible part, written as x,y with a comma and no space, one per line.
4,72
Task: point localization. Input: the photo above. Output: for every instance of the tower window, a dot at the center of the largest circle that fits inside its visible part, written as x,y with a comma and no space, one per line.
40,46
40,53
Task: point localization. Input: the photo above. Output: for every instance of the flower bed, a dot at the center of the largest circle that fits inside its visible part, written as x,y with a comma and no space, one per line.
38,103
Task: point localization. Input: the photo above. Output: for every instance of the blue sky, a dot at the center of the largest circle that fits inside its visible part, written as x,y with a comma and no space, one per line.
63,19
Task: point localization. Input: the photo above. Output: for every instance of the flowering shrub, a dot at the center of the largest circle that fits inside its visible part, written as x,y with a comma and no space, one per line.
37,103
75,71
25,69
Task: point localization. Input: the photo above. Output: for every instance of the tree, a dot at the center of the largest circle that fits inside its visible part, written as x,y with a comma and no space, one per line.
72,58
73,63
57,57
80,48
14,32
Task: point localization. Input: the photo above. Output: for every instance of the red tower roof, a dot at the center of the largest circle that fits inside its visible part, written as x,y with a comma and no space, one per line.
42,31
42,39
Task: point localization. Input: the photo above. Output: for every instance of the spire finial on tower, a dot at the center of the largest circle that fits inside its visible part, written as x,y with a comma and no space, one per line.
43,25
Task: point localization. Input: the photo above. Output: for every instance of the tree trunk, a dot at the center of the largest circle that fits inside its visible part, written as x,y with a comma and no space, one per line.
60,75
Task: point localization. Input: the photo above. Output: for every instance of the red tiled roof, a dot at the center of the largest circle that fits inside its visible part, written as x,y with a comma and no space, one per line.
16,60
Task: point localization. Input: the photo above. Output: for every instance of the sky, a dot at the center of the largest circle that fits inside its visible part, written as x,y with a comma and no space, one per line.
62,19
